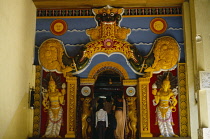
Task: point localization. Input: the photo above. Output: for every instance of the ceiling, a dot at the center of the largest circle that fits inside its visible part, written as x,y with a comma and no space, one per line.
75,4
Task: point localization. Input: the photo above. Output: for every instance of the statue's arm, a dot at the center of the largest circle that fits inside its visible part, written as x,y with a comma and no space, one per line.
156,96
61,99
44,102
174,101
61,96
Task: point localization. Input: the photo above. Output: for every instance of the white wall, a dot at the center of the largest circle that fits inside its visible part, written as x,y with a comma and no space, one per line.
202,27
200,61
17,24
190,64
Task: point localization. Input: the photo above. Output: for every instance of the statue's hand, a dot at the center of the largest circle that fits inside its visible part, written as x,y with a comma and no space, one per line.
63,92
173,108
46,108
154,91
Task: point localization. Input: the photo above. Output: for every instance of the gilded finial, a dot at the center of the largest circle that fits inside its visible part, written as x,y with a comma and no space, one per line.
51,80
167,78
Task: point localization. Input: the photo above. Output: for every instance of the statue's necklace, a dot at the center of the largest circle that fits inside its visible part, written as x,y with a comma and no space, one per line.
165,93
53,94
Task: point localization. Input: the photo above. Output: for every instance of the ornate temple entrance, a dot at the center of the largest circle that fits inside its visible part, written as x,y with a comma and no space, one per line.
107,87
107,81
109,66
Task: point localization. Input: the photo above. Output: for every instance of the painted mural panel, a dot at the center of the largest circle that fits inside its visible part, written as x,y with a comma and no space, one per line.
134,44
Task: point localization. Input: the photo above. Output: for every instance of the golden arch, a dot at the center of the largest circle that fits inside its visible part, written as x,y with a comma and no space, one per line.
108,66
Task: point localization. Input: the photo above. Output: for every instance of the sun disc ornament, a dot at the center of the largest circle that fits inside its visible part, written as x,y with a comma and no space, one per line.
158,25
58,27
130,91
86,91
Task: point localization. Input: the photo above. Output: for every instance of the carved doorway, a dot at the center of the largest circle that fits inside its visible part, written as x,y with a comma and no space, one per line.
107,86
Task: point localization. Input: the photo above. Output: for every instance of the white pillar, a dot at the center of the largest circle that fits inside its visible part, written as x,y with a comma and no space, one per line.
204,105
190,71
204,108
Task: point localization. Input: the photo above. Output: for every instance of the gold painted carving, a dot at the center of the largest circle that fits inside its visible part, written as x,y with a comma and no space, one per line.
166,52
87,81
129,82
37,104
86,112
144,111
132,115
108,66
108,31
183,101
71,106
108,37
113,30
108,10
144,108
50,56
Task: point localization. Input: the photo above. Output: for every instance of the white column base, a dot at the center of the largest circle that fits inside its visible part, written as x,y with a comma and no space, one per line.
204,133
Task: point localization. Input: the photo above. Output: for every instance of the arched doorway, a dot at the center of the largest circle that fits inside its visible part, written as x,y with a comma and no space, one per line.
105,80
107,87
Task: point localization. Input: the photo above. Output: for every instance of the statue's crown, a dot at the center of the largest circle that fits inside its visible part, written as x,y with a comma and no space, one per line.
167,78
51,80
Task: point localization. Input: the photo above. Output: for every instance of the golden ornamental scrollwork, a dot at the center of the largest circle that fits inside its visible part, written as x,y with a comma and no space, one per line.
108,36
166,52
108,31
144,107
50,56
87,81
130,82
86,113
132,115
37,104
112,40
143,86
183,100
71,106
108,66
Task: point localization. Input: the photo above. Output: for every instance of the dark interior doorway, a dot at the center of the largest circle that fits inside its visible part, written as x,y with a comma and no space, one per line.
108,83
107,86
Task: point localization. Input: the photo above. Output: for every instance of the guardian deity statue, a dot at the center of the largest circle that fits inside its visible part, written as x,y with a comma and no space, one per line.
53,99
165,100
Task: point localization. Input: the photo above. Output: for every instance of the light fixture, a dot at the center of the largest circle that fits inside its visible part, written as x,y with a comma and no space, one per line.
198,38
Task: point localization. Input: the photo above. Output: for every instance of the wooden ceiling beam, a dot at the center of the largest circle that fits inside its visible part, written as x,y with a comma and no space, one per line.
75,4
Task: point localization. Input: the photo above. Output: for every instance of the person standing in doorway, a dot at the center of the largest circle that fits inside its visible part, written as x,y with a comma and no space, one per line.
120,115
101,121
108,107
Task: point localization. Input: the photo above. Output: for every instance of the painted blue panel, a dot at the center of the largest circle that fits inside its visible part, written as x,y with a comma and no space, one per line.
73,23
141,37
117,58
75,33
